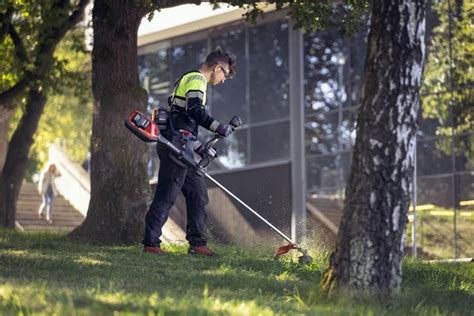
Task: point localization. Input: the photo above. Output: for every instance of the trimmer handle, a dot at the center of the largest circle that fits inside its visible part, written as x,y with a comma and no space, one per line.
236,121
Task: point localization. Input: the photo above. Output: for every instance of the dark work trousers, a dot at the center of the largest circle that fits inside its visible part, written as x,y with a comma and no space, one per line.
171,179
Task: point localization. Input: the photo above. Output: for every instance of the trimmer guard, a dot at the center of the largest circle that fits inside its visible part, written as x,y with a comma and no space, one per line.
142,126
284,249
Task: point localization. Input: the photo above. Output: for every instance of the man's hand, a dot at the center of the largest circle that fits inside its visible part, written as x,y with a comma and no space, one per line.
224,130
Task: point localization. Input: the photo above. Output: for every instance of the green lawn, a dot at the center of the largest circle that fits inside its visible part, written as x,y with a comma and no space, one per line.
45,274
435,232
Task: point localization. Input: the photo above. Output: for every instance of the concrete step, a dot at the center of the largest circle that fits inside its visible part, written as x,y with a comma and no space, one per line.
43,222
52,227
56,211
65,217
61,217
331,208
27,200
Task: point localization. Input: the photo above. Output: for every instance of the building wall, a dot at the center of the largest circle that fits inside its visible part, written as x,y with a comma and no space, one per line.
266,190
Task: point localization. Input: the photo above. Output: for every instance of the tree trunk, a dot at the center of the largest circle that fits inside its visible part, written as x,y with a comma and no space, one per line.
369,249
5,116
16,162
119,185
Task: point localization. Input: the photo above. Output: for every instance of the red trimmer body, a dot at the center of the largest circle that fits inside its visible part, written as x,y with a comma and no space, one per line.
142,126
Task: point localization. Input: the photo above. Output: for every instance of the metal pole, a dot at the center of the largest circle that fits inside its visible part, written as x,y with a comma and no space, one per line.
413,228
340,189
451,110
249,208
297,135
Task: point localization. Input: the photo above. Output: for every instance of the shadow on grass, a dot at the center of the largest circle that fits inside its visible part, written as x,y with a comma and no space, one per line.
449,287
62,265
101,278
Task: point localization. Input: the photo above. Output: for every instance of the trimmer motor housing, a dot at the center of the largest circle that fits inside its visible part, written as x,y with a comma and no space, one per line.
143,127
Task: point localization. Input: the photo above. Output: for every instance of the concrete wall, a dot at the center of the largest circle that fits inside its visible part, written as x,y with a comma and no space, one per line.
266,189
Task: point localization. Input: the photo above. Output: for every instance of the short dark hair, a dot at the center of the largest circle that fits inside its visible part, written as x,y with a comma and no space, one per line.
218,57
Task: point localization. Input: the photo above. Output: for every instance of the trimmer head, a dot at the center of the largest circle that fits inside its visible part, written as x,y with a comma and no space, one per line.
303,259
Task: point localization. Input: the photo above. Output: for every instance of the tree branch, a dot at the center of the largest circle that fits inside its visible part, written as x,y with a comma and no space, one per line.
5,23
52,35
59,31
19,47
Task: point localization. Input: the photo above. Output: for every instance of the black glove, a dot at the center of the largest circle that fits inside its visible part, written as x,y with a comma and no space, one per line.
224,130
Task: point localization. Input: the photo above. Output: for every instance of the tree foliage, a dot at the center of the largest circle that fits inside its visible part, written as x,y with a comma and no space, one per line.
29,32
448,91
310,15
67,118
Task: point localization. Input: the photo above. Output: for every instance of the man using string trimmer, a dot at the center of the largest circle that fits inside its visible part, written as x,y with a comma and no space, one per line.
186,112
184,159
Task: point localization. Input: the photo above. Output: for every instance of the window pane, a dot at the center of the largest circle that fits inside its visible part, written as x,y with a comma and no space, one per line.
270,142
333,70
155,77
358,52
187,57
330,132
229,98
348,129
231,151
321,133
328,174
269,72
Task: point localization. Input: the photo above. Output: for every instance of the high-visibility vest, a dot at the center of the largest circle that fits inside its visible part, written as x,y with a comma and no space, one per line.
192,84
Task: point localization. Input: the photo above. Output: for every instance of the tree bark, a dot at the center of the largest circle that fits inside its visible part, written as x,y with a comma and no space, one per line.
5,116
16,162
119,185
369,249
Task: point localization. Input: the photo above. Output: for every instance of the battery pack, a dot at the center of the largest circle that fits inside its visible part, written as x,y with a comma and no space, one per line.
142,126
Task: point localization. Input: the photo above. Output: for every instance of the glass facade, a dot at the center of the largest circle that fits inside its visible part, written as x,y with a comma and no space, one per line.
262,104
333,68
332,75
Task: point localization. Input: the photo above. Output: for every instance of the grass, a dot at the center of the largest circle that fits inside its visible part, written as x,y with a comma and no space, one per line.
45,274
435,232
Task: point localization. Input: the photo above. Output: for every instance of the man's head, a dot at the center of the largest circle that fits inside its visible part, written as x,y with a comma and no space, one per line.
218,67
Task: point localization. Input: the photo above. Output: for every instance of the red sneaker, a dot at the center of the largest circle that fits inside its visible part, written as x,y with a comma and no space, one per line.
200,250
155,250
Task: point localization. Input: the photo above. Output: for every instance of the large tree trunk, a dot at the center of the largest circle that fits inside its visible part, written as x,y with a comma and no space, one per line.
119,185
16,162
369,249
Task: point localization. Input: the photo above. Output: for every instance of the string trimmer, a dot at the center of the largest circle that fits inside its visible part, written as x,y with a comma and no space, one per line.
148,130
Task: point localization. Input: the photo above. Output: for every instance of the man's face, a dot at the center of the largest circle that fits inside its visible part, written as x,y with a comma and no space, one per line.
219,74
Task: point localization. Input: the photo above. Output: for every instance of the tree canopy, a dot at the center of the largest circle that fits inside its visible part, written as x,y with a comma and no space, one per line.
67,117
29,33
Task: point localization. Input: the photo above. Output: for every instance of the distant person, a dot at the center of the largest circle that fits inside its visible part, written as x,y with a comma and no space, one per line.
47,189
86,164
187,112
